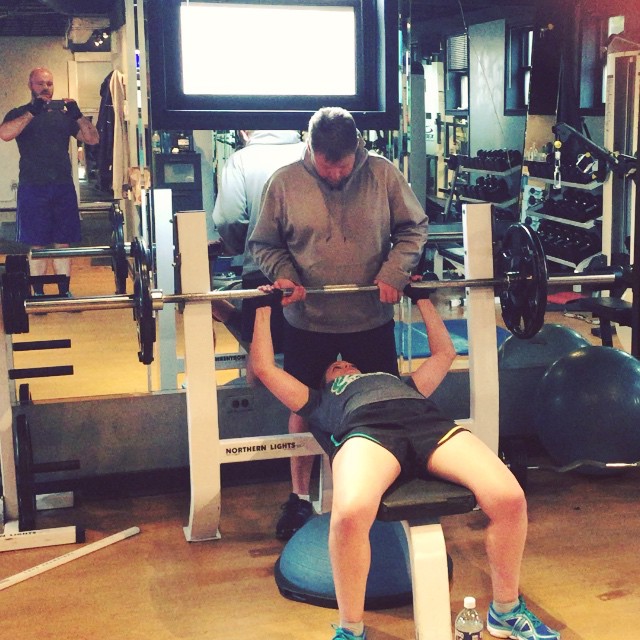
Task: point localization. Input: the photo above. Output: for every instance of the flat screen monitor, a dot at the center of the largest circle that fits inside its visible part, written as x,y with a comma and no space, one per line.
255,64
178,171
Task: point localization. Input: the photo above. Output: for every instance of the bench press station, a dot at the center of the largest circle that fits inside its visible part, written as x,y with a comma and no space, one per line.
419,504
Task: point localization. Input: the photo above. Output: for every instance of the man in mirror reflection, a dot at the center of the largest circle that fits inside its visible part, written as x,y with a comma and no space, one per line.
47,211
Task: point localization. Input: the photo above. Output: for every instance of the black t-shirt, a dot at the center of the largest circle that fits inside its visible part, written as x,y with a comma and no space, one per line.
44,147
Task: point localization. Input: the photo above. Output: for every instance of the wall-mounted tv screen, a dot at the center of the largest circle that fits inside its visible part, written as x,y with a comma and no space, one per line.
179,171
270,64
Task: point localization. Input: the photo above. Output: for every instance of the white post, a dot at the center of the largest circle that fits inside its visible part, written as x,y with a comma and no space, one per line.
481,324
202,402
7,464
170,367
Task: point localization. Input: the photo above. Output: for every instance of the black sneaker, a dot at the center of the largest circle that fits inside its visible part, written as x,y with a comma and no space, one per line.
295,513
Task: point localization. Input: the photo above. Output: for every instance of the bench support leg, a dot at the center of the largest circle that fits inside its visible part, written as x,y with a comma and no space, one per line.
429,580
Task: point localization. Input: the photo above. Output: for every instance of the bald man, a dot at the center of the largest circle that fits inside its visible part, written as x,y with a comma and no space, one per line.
47,205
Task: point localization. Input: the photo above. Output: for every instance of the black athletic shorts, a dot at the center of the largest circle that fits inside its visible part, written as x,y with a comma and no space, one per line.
307,354
410,430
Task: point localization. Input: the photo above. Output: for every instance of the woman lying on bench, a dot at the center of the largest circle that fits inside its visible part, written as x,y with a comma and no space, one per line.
381,427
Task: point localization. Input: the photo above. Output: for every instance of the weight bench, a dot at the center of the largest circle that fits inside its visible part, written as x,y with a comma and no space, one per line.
303,571
419,504
608,310
452,253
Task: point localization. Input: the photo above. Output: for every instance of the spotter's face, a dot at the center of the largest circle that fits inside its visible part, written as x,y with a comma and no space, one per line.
335,174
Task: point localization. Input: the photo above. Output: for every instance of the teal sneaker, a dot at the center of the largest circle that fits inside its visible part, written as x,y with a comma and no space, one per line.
518,624
345,634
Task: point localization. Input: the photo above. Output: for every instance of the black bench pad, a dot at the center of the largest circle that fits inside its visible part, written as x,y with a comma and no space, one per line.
614,309
421,498
454,252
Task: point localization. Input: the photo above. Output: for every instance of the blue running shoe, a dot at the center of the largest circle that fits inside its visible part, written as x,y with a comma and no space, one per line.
345,634
518,624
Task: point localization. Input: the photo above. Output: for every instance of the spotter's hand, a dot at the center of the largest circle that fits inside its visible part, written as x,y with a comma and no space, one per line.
298,292
388,294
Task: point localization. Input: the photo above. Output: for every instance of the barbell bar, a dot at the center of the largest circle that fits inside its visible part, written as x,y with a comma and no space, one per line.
523,296
159,298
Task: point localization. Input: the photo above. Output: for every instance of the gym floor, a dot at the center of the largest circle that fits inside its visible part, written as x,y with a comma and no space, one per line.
579,572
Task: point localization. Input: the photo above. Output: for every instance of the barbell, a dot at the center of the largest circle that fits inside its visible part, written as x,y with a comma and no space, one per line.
523,290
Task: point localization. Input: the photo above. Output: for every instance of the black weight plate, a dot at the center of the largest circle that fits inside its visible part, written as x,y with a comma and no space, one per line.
143,312
23,456
15,290
17,263
524,300
24,395
119,260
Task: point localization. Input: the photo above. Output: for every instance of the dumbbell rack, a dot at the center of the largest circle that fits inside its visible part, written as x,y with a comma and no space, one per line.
498,174
537,212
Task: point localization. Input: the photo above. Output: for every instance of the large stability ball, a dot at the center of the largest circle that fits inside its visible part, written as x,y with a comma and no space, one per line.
521,366
588,407
303,571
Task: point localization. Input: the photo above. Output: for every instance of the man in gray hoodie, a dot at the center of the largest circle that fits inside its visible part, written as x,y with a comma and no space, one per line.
338,216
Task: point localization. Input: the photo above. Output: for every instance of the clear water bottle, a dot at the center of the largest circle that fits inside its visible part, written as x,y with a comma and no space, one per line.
156,145
469,624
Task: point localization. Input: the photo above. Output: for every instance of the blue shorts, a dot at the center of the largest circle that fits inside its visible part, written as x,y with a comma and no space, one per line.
47,214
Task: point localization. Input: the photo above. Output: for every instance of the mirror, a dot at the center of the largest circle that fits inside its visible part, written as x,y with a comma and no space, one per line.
473,63
581,211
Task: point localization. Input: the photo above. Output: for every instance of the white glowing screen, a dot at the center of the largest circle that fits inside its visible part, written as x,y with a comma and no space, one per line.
256,49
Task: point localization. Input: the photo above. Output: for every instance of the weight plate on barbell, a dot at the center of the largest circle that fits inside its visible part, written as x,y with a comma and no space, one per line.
15,290
143,312
524,300
119,260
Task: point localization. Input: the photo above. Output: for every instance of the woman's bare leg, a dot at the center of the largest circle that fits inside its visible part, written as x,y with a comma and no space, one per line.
465,459
362,472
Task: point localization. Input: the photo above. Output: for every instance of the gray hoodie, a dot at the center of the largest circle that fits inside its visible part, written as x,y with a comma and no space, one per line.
372,228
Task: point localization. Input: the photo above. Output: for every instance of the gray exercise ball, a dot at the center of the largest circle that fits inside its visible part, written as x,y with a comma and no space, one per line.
588,408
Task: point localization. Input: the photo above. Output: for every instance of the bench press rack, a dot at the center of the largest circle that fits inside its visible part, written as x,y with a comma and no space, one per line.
418,509
418,504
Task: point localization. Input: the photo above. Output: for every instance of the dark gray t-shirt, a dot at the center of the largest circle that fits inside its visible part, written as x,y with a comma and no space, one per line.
335,408
44,147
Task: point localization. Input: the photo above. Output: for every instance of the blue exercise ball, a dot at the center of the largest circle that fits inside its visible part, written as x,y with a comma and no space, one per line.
521,366
588,408
303,571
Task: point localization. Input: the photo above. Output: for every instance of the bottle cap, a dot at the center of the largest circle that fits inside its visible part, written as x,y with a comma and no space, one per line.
469,602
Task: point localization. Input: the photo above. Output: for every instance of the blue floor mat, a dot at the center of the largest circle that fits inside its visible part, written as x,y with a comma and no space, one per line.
420,343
